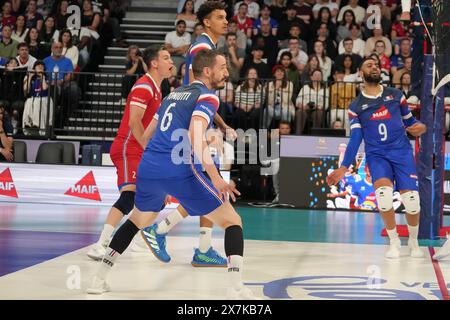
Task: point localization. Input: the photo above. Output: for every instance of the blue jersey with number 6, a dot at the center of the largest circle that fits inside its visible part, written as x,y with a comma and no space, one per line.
382,120
169,153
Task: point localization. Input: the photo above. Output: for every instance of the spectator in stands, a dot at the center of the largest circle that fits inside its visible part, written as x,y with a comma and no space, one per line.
348,51
11,93
398,61
325,17
406,69
405,84
313,64
358,11
36,49
279,99
284,25
91,19
188,15
69,50
291,70
235,56
385,62
377,35
330,44
8,19
6,139
255,61
19,7
38,110
299,58
325,61
226,98
304,11
295,32
332,7
358,45
241,37
249,98
44,7
8,46
243,21
20,31
348,66
33,18
337,124
62,15
277,9
198,30
343,30
49,33
398,32
61,70
135,67
269,43
26,61
342,94
253,8
110,25
312,102
178,42
265,17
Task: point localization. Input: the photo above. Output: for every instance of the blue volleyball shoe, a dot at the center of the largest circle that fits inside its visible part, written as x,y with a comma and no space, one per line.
211,258
156,242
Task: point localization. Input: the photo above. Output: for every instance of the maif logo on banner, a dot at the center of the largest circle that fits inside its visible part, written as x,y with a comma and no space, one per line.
86,188
7,187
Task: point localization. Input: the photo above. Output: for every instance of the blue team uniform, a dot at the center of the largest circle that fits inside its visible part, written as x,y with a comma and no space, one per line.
381,122
203,42
168,165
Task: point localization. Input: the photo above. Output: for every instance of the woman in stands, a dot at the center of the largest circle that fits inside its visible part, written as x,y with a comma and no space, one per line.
62,15
343,30
313,64
135,67
69,50
324,16
49,33
35,47
20,31
187,14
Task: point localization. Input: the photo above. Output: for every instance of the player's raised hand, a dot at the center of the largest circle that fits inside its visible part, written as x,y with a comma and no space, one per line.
417,129
225,189
336,176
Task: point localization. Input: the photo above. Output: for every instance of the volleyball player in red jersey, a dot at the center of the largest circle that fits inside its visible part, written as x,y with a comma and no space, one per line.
143,101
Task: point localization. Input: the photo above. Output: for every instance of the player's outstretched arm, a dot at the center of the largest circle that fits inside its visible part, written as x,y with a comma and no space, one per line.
197,136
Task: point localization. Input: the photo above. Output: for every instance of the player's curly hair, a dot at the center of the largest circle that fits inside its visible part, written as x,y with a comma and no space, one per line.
207,8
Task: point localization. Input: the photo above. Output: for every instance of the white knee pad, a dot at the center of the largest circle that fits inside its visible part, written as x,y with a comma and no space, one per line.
384,198
411,201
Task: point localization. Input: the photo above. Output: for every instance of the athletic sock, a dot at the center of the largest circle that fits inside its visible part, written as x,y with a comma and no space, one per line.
393,235
107,263
235,271
106,235
205,239
413,232
169,222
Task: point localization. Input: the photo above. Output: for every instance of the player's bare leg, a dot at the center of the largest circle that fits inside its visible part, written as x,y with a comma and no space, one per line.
122,207
411,202
384,193
121,240
228,219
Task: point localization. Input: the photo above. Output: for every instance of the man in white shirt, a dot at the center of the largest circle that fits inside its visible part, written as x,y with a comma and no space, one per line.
334,8
299,58
359,11
24,58
178,42
253,8
359,45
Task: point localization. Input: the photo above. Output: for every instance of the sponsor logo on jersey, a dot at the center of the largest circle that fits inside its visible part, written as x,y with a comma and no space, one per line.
86,188
364,106
388,98
381,114
7,187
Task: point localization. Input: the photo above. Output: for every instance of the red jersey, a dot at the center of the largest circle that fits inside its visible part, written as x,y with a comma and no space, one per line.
145,94
243,26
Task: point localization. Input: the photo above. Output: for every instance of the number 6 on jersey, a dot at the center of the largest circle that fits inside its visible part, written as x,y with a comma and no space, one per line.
167,118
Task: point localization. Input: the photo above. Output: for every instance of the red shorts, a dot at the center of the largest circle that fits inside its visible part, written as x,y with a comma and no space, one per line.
126,164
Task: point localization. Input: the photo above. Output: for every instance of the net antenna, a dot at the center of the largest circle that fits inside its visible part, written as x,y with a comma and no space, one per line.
440,41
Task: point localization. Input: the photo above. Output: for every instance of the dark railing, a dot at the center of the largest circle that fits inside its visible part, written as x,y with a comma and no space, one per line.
91,105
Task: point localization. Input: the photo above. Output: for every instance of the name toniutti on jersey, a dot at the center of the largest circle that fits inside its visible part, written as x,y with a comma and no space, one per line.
179,96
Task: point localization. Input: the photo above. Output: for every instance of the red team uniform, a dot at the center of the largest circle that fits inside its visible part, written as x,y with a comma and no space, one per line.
126,151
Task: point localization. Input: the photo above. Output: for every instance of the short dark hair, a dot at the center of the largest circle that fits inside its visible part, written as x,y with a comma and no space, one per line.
207,8
21,45
347,39
181,22
151,53
230,34
204,58
285,122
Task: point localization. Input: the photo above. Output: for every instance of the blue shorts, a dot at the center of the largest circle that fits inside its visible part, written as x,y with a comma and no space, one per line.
397,165
195,193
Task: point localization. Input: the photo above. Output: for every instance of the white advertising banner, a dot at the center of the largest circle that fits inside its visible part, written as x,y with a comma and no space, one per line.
61,184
